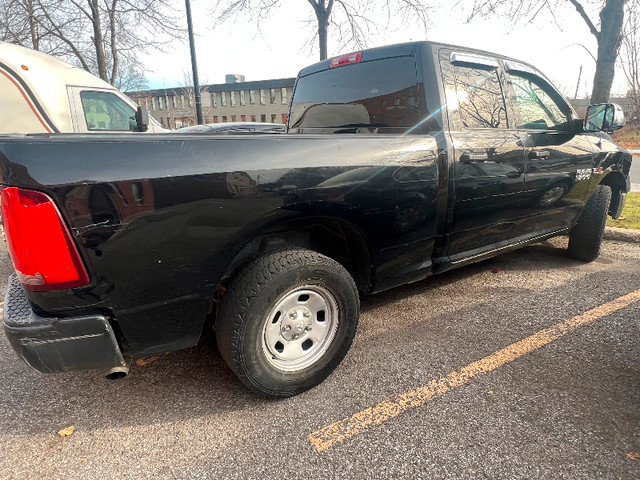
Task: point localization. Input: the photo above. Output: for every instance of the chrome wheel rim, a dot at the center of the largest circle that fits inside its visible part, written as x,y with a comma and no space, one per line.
300,328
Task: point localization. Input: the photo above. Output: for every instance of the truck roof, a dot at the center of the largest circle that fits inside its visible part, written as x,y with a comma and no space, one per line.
44,79
404,49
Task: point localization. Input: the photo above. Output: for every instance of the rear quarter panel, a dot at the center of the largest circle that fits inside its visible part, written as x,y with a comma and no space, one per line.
159,219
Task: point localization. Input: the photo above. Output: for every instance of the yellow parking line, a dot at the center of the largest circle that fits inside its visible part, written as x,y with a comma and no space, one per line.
351,426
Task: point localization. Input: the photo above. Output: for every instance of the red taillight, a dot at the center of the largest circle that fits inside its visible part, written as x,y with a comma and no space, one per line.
346,59
41,248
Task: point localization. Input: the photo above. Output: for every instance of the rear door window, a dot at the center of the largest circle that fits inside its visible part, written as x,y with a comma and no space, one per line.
474,93
380,96
106,111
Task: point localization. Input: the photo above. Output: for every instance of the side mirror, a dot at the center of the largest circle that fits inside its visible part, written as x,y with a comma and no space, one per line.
603,117
142,120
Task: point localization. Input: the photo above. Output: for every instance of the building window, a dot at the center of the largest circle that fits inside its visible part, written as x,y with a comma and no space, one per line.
283,94
160,103
263,118
215,119
243,100
243,118
284,118
233,98
263,98
214,99
252,97
272,97
166,101
224,118
182,101
223,100
191,97
153,103
253,118
233,118
174,101
273,118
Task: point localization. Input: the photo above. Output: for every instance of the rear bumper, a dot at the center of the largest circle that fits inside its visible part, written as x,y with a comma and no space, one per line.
58,344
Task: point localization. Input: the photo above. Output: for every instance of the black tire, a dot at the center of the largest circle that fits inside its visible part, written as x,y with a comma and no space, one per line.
273,310
586,236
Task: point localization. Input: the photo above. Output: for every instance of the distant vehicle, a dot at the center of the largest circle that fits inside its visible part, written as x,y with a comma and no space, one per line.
42,94
235,127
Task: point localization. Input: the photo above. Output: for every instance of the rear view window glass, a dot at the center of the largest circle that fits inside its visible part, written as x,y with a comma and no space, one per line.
380,96
106,111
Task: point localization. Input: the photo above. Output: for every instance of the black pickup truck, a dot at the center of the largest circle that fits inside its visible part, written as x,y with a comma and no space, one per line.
398,162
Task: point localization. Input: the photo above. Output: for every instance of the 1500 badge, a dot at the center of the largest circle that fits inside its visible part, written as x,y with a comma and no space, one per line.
583,174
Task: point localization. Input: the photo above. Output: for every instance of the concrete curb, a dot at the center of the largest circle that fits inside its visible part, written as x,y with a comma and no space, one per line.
622,234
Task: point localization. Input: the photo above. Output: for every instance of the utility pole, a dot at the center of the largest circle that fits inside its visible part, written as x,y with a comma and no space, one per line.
578,84
194,65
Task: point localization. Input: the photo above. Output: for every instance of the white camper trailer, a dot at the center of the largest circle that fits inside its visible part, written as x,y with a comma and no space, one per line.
40,94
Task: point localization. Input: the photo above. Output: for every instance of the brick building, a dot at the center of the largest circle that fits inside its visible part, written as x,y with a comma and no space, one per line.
233,101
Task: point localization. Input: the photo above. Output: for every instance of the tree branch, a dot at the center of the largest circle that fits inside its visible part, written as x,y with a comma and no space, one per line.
594,31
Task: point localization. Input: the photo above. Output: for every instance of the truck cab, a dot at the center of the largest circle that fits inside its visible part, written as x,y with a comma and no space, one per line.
41,94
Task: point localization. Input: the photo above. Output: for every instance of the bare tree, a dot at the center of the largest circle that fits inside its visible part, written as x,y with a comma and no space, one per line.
102,36
607,31
350,20
630,59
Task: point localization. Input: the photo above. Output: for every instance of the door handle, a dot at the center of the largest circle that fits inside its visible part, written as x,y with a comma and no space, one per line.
539,154
473,157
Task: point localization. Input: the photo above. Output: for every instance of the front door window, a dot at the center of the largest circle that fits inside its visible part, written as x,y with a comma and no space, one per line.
534,106
106,111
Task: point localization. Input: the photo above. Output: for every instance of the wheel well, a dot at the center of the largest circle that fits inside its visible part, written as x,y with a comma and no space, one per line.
334,238
616,181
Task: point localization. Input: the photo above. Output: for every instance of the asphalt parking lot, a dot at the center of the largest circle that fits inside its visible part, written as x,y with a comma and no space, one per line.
523,366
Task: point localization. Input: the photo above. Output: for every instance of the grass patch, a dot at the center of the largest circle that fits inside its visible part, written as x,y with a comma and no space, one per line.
630,215
628,137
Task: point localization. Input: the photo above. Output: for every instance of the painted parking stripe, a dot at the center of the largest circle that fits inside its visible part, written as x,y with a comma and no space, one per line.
351,426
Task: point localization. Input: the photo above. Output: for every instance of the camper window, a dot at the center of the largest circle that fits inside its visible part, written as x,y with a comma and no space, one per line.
106,111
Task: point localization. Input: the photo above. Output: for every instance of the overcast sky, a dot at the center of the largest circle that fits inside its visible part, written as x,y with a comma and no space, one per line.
279,50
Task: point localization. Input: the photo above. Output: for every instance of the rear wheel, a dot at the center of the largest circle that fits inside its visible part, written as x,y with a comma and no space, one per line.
287,321
586,236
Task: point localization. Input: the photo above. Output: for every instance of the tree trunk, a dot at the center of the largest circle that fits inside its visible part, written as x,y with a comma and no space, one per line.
609,41
322,37
35,40
115,60
323,13
98,40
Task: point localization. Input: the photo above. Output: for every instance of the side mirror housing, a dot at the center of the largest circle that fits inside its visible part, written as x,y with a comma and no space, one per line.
603,117
142,120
